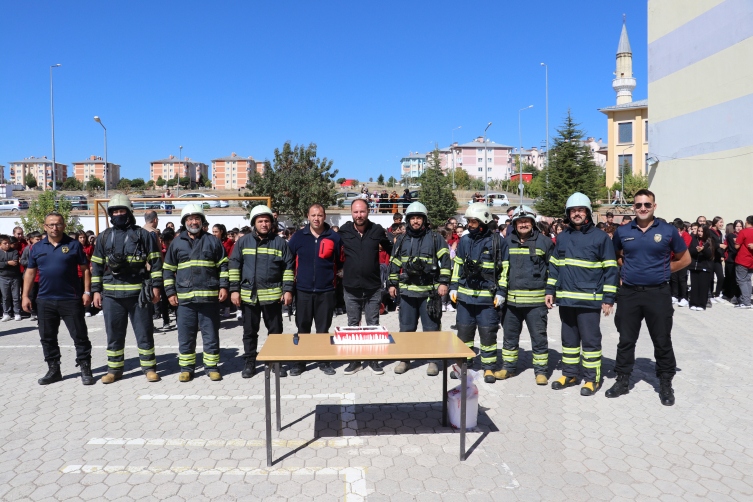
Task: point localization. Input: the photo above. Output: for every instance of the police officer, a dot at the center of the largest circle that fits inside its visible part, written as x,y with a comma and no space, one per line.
645,247
123,287
196,281
583,274
529,253
477,278
261,275
420,269
57,258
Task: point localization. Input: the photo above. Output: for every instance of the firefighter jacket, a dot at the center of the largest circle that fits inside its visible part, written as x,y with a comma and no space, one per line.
477,273
134,249
418,282
196,269
583,269
527,269
261,268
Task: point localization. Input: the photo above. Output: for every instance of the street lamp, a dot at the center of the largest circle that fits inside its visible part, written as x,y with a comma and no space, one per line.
546,77
52,115
452,145
520,155
104,173
180,168
622,176
486,172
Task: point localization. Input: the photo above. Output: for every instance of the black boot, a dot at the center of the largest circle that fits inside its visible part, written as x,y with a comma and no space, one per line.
86,373
666,394
620,387
249,369
53,374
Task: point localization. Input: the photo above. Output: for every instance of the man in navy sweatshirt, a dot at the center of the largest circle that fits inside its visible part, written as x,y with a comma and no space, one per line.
318,255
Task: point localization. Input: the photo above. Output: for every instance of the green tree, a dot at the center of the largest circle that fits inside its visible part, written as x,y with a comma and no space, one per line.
391,181
94,184
33,220
340,181
208,184
71,183
124,185
571,169
185,181
380,179
160,182
30,181
171,182
462,178
371,180
138,183
632,183
149,184
436,191
295,179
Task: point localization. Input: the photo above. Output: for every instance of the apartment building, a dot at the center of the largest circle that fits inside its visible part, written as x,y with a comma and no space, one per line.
413,164
234,171
94,167
40,168
172,166
2,174
470,156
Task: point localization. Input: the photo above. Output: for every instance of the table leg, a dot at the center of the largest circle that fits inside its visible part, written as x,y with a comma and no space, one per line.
268,413
444,392
277,394
463,395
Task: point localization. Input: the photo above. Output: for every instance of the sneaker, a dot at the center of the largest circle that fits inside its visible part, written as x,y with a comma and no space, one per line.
444,308
734,300
327,368
682,303
450,308
88,314
168,326
239,316
714,299
5,318
33,316
741,306
674,300
374,366
297,368
353,367
226,312
708,303
102,314
17,318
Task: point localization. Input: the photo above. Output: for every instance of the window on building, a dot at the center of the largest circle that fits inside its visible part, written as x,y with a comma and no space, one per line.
488,168
480,150
490,160
645,133
624,162
481,169
480,160
625,132
645,163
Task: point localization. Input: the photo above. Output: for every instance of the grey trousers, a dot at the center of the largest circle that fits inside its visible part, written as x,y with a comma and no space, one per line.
358,302
10,287
743,280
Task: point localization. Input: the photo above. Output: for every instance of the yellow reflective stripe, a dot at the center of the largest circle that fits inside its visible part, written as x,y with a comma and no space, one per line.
525,251
224,260
96,279
146,352
96,259
211,358
458,260
488,359
551,281
473,292
397,261
488,348
224,274
444,271
394,276
133,259
487,264
579,296
197,263
442,252
275,252
157,273
169,282
571,350
609,263
115,364
288,274
115,353
122,287
155,255
411,287
555,261
170,267
249,251
610,289
197,293
570,360
582,263
592,355
151,362
535,292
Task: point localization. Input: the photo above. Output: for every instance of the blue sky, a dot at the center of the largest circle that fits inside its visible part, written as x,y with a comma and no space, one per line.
367,81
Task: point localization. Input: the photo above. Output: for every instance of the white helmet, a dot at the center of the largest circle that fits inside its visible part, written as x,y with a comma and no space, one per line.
258,211
192,209
523,212
120,201
479,211
416,209
577,200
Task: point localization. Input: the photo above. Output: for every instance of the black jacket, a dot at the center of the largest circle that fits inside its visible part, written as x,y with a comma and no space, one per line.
718,240
422,247
196,269
261,268
731,250
139,249
528,269
6,270
361,265
703,260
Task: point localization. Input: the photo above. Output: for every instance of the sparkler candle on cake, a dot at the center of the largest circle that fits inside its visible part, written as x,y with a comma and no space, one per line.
361,335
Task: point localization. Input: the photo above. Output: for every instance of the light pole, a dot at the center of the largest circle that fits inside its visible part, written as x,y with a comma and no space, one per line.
180,157
104,173
452,145
520,155
546,80
52,115
486,173
622,176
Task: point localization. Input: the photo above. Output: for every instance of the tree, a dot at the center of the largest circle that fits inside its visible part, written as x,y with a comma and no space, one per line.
94,184
391,181
436,191
462,178
571,169
150,184
185,181
30,181
371,180
208,184
632,183
295,179
380,179
71,183
160,182
340,181
138,183
33,220
124,185
171,182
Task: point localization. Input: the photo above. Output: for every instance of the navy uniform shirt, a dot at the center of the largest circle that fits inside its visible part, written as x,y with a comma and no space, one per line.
646,255
58,268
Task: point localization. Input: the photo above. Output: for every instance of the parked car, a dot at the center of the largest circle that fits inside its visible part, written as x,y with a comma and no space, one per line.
348,197
496,199
77,201
196,198
13,205
151,204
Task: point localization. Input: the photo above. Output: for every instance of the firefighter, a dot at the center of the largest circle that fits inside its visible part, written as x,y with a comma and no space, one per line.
261,276
477,279
420,269
196,281
583,274
529,253
124,287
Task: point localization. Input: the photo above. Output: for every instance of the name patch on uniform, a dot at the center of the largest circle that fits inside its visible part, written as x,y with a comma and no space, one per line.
657,237
628,239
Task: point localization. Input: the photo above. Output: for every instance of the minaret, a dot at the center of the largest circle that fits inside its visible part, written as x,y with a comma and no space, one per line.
624,83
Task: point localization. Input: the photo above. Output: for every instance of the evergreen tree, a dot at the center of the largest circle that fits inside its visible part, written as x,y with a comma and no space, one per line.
380,179
33,220
571,169
392,181
436,191
30,181
160,181
294,180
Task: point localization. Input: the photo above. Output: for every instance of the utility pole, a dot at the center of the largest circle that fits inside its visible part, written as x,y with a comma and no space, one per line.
52,115
520,155
486,172
104,172
452,146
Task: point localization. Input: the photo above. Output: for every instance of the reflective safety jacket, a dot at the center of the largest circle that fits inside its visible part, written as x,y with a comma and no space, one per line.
195,269
527,269
583,270
430,253
261,268
479,289
139,248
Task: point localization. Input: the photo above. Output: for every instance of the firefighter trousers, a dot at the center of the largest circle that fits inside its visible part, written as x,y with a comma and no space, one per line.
486,319
535,319
117,312
193,317
581,335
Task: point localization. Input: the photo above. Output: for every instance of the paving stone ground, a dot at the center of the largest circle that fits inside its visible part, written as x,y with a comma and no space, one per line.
379,438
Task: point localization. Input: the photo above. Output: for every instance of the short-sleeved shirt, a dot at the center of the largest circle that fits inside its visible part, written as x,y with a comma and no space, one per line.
647,255
744,255
58,268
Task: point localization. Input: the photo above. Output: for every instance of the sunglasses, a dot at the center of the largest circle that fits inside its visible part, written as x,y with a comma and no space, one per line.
647,205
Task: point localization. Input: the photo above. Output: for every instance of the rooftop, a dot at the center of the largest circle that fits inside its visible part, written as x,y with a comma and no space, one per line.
643,103
35,160
235,157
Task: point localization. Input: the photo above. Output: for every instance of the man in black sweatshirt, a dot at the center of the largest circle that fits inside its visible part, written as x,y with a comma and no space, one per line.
362,280
10,279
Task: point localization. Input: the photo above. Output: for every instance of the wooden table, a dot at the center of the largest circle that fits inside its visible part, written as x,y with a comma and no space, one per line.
318,347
